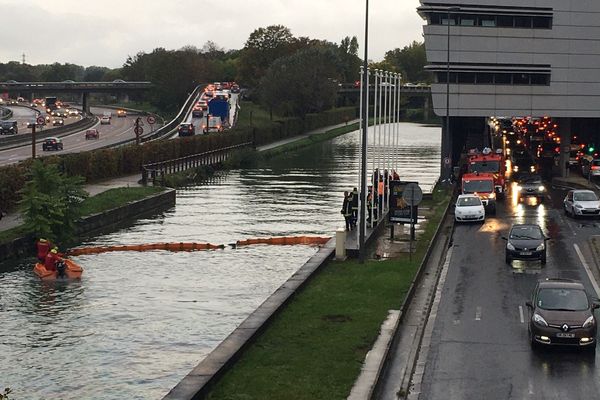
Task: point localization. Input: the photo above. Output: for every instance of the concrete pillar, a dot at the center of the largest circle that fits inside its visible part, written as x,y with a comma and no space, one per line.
85,103
564,132
340,244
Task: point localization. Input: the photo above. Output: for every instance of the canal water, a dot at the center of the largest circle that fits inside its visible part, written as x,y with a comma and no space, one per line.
139,322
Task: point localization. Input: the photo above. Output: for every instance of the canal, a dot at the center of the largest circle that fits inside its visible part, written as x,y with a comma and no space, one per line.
139,322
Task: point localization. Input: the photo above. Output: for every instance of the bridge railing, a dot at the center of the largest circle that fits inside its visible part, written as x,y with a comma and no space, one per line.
160,169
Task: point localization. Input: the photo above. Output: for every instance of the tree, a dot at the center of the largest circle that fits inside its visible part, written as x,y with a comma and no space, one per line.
410,61
50,202
302,83
264,46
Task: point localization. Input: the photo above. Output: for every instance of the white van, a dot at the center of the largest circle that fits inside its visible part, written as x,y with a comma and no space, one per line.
214,124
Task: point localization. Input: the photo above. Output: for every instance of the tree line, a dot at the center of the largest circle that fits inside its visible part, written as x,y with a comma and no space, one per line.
289,75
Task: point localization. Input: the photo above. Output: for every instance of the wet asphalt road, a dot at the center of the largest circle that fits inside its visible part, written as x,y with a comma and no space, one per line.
479,347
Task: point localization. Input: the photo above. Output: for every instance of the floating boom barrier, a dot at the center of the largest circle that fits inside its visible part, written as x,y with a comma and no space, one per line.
193,246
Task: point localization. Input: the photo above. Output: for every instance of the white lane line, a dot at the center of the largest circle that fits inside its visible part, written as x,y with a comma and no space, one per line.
530,387
478,314
521,317
587,270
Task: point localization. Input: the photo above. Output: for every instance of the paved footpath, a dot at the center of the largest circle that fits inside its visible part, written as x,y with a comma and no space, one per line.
13,219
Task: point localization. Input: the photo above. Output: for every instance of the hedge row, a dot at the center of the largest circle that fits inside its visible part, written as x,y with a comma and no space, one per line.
102,164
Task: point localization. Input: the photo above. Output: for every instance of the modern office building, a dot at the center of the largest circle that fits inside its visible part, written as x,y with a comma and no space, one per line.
515,58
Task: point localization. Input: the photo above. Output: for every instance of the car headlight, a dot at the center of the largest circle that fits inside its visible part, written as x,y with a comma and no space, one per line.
538,319
510,246
492,196
540,247
532,168
541,188
517,187
589,322
577,205
516,168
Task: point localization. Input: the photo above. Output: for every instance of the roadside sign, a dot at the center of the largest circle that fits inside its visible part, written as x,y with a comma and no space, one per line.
151,120
400,211
138,130
40,120
412,194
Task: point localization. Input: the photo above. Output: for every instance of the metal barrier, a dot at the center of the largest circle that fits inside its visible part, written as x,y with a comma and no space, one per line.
172,125
5,113
159,169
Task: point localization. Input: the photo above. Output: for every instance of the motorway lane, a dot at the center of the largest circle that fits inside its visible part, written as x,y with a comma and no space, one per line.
25,114
479,347
120,129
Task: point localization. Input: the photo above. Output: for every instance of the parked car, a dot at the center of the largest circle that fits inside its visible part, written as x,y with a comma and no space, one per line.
58,122
469,208
581,203
92,134
530,185
525,242
105,120
186,129
561,312
121,113
9,127
52,143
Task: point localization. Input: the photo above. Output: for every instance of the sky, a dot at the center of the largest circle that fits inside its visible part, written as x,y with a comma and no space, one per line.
106,32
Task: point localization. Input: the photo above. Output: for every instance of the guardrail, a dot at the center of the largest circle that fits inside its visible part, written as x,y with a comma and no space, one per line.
170,127
22,138
159,169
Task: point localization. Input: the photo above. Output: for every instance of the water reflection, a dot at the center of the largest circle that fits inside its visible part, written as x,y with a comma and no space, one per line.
138,322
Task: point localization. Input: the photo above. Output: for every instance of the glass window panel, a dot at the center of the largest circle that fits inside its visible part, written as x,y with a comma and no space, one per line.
487,21
521,79
466,77
505,21
484,78
502,79
468,20
522,22
542,22
540,79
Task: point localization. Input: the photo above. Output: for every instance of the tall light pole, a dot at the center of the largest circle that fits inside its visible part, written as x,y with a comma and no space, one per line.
363,139
447,137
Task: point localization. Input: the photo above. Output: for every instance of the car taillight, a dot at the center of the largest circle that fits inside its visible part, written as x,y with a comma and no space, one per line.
595,167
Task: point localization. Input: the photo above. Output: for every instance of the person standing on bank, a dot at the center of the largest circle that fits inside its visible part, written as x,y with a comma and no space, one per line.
354,204
347,210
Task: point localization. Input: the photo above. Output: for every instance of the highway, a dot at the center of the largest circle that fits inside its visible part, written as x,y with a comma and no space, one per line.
119,129
479,348
23,115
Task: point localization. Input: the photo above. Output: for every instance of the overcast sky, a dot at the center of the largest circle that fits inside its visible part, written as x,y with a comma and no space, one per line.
105,32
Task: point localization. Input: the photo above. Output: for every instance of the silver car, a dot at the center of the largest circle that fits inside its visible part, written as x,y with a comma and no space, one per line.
581,203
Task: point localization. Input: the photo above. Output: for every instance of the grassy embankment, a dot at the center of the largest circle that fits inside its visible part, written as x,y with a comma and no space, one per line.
101,202
315,347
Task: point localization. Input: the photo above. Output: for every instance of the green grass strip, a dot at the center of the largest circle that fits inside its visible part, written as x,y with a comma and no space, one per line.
117,197
315,347
104,201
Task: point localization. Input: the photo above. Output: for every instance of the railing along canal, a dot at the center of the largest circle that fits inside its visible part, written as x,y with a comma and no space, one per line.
213,157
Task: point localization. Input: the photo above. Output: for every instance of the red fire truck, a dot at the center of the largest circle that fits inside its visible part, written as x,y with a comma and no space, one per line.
481,184
492,163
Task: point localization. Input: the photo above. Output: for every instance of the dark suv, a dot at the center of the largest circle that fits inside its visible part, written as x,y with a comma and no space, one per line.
9,128
561,313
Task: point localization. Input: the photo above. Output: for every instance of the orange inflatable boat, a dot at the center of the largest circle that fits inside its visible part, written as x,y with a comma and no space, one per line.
72,271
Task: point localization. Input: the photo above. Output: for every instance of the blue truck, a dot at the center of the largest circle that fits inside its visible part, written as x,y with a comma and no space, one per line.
219,107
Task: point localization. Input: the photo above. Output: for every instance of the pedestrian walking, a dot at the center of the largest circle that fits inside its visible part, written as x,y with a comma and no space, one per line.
347,211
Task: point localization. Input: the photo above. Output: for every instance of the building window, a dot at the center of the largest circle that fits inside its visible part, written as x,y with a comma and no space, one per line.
520,79
495,78
523,22
492,20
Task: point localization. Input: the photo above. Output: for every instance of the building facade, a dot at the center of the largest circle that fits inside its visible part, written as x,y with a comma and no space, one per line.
514,57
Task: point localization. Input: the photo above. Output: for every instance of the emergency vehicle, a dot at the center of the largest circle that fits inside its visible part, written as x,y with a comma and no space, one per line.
492,163
482,185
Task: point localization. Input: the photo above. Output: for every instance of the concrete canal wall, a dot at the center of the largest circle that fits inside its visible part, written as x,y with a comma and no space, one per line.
101,222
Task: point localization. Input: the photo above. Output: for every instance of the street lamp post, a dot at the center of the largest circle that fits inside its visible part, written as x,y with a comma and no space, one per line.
363,156
447,139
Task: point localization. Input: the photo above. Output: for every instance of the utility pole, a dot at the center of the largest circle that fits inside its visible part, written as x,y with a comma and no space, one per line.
33,140
137,130
23,55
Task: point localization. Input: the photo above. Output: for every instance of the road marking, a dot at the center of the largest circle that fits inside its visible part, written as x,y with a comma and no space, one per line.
478,314
567,222
521,314
530,387
587,270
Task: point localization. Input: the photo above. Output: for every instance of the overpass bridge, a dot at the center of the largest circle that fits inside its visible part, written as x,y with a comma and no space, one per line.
84,88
